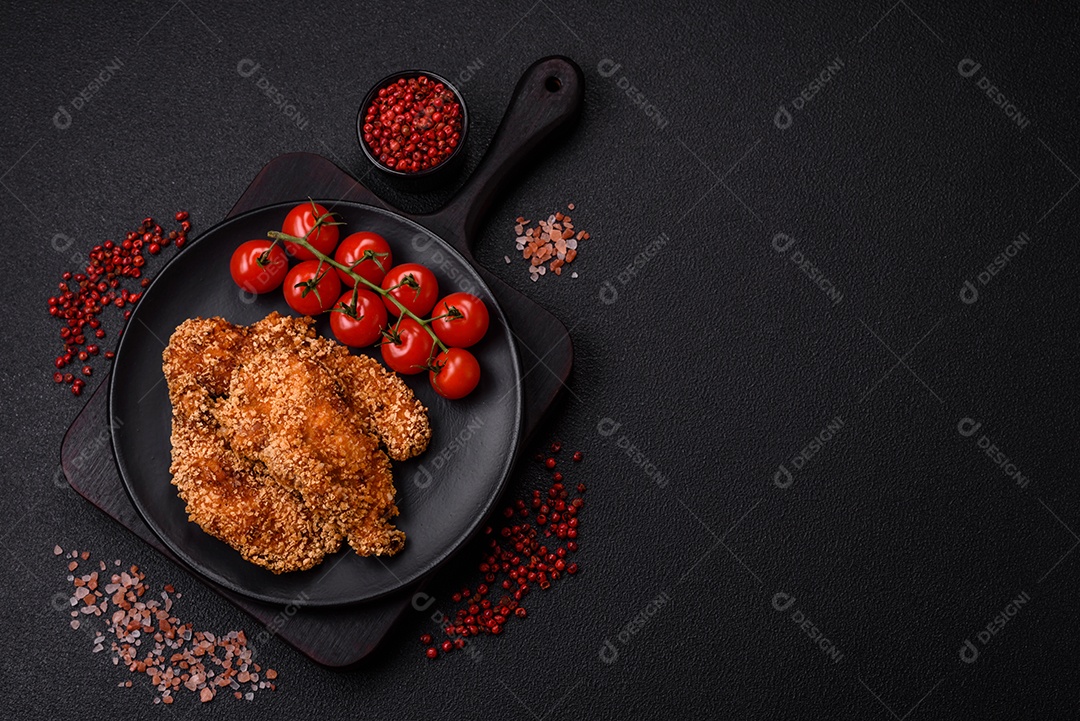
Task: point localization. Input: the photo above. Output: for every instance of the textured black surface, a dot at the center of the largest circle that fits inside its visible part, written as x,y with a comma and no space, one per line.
899,181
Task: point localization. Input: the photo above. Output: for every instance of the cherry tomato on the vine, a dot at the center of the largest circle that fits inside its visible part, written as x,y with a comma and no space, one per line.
251,272
408,348
414,286
366,326
300,221
458,373
310,290
351,252
464,320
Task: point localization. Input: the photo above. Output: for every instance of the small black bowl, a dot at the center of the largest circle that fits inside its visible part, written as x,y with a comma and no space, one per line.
420,179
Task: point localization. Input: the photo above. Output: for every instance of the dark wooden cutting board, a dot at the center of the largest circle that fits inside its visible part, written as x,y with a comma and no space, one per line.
340,636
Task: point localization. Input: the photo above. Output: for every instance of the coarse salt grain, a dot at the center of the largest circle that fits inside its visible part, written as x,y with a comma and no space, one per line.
553,242
180,657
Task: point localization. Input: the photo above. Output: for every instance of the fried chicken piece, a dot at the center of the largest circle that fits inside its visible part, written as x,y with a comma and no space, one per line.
230,498
202,354
379,397
387,403
237,501
311,440
276,437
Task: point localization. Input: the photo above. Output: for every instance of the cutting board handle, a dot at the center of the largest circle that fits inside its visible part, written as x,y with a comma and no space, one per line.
548,97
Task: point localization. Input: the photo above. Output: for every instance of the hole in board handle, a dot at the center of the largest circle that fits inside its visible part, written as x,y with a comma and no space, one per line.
553,84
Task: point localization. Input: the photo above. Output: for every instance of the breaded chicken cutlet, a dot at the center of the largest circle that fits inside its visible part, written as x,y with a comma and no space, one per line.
278,438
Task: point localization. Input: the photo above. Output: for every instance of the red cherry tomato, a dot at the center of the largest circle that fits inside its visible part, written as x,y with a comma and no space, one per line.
363,328
311,298
300,221
464,330
458,374
408,351
414,286
250,272
351,253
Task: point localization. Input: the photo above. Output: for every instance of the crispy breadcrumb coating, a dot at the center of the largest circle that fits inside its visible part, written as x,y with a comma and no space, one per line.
276,440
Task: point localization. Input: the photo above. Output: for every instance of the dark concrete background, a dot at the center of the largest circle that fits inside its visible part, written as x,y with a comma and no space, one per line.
898,180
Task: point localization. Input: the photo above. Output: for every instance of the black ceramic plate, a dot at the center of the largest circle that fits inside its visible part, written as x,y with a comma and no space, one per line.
443,495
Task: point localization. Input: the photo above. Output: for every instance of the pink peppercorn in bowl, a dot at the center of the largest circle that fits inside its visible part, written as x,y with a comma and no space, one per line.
412,125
